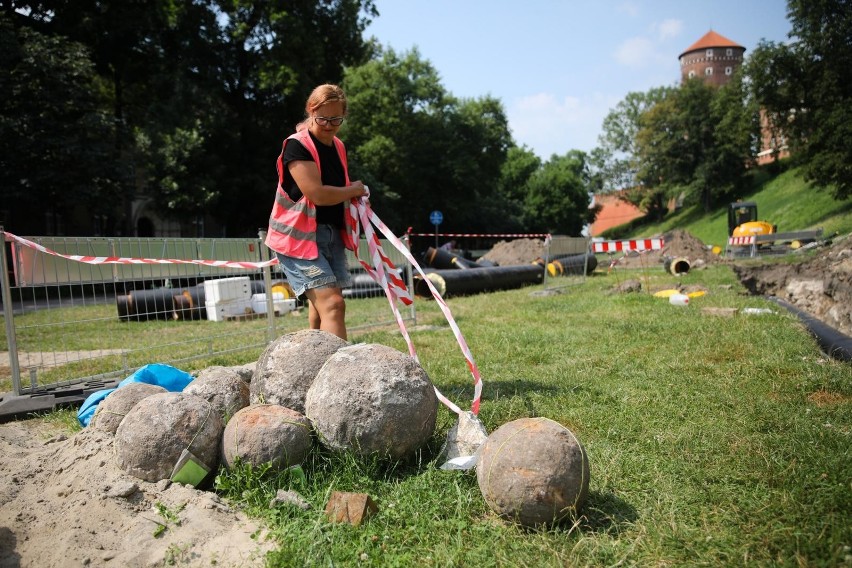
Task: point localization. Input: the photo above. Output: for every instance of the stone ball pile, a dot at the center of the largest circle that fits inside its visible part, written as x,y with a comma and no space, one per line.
224,387
266,433
533,471
372,399
365,398
289,365
150,439
112,409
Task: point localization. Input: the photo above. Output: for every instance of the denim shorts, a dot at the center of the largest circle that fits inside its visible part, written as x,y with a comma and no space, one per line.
329,270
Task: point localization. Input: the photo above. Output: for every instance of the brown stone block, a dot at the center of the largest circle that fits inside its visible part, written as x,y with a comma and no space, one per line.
352,508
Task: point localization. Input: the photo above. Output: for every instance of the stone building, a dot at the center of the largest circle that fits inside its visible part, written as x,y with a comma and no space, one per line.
714,58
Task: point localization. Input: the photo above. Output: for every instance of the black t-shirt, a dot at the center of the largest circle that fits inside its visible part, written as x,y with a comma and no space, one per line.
331,173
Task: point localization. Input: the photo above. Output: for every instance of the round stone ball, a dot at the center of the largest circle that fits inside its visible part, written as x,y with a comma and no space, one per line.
372,399
266,433
289,365
151,438
533,471
112,409
223,387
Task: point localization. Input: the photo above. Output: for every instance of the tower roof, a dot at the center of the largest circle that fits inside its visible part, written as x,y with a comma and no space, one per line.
708,40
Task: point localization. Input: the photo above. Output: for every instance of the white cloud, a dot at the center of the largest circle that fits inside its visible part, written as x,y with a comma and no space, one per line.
669,28
635,52
629,8
550,125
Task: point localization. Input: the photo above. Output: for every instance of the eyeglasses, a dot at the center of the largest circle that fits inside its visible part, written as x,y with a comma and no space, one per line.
325,121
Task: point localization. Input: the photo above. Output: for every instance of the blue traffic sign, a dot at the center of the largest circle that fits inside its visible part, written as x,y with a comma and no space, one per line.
436,217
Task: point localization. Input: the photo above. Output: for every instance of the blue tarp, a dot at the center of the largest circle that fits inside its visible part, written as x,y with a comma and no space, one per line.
166,376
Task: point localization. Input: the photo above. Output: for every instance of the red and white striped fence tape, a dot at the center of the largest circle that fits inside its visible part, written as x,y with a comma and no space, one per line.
367,219
383,271
495,235
739,241
130,260
636,244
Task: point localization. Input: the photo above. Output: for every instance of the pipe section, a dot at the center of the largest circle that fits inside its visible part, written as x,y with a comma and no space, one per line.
676,265
832,342
571,264
440,258
475,280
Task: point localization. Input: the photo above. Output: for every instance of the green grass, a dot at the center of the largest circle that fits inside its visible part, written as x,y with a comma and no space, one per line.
712,440
189,345
786,201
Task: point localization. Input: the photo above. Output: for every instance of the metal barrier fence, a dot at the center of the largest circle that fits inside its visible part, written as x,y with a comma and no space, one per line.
74,321
566,260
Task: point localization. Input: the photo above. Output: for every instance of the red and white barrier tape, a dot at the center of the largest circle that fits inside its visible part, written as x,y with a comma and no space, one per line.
130,260
507,235
738,241
637,245
367,219
383,271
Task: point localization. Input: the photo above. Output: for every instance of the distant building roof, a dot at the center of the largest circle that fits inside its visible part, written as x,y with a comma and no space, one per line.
709,40
613,212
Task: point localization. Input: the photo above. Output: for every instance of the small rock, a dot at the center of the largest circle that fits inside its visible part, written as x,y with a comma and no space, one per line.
352,508
284,497
123,489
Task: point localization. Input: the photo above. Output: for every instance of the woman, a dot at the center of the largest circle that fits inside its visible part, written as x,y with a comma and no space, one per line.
306,227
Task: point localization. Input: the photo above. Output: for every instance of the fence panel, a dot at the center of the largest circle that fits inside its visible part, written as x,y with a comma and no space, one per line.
568,261
83,322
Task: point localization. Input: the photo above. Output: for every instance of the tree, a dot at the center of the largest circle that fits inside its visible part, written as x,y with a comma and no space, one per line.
806,89
557,200
698,141
519,167
202,92
615,159
56,140
419,148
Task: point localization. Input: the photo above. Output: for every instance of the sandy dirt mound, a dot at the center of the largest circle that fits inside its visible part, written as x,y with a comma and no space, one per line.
821,284
677,244
64,502
519,251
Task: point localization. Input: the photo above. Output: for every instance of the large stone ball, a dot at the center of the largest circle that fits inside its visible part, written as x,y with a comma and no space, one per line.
266,433
155,432
533,471
288,366
223,387
370,399
112,409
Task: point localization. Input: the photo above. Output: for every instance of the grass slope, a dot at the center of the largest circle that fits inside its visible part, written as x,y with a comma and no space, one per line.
787,201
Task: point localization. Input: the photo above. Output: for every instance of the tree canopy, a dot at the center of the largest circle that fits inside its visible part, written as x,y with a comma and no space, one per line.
806,90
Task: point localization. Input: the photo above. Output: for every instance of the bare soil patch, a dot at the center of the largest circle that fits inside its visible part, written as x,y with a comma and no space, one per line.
821,284
818,282
64,502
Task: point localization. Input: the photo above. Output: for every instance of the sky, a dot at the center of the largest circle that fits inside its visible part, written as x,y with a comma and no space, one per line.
560,66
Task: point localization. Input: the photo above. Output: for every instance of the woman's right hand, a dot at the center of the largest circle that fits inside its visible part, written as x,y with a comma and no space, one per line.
361,190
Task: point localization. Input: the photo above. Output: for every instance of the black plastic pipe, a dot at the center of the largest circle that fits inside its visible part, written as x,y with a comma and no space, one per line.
474,280
571,264
832,342
440,258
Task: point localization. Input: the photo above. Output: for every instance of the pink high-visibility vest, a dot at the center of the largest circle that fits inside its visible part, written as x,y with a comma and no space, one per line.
293,224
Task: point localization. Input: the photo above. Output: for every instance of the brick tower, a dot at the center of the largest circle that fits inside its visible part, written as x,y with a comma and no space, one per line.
714,58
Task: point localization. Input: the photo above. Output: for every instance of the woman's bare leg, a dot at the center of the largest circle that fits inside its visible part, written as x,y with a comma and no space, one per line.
331,310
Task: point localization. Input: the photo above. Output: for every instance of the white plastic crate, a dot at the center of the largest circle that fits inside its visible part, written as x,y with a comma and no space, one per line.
220,311
225,289
280,304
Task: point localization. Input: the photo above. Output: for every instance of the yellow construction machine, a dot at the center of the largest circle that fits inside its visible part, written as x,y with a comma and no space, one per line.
748,235
743,221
